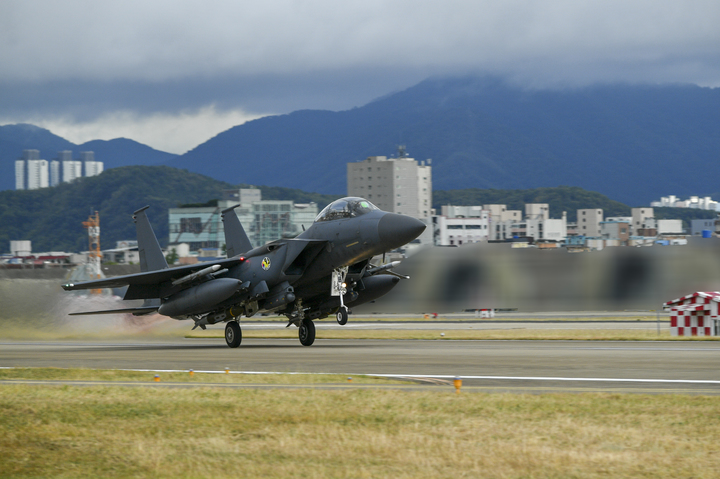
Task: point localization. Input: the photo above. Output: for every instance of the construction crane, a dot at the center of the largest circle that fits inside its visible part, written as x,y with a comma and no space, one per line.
94,253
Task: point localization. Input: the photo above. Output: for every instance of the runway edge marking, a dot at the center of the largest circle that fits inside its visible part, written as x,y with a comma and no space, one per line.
422,376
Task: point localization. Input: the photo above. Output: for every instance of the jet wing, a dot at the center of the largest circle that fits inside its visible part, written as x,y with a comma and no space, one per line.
150,278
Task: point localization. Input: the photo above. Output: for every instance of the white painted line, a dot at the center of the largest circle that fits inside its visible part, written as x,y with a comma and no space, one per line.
539,378
429,376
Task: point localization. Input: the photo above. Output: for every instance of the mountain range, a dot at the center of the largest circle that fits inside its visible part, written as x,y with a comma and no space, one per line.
632,143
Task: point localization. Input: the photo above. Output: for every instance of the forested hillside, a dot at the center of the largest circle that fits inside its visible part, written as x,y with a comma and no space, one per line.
52,217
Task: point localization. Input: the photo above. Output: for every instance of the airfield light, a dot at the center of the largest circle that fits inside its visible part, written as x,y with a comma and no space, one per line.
192,373
157,378
349,379
227,370
458,384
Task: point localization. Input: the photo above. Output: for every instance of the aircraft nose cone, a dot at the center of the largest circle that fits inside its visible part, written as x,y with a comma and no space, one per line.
396,230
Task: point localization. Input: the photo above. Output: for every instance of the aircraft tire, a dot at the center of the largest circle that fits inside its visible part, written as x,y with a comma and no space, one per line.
233,334
306,332
342,316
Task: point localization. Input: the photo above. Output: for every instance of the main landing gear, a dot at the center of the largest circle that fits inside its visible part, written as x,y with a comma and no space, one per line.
306,332
233,334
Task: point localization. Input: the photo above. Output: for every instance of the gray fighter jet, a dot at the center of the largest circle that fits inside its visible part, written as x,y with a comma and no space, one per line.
322,271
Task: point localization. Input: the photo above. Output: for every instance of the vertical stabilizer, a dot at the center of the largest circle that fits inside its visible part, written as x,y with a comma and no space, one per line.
236,240
151,256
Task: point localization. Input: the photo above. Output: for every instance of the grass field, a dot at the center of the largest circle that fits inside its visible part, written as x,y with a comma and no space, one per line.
104,431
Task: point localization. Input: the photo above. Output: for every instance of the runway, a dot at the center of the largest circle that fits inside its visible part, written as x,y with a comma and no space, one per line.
516,366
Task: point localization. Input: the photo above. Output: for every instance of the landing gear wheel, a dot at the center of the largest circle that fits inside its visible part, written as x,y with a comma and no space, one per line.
233,334
342,316
306,332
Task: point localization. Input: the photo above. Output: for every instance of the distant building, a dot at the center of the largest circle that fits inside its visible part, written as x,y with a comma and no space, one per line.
695,202
643,219
588,222
698,226
458,225
398,185
669,227
616,230
71,170
263,221
37,174
54,173
537,211
20,175
92,167
500,213
31,172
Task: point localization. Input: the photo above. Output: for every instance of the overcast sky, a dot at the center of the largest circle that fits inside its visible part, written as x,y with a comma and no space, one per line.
172,74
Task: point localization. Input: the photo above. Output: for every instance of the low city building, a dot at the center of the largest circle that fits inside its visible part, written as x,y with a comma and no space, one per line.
263,220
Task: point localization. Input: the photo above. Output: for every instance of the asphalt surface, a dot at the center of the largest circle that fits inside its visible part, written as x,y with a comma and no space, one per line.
514,366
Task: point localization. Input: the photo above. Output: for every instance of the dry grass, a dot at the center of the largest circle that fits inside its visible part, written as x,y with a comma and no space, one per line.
82,374
466,334
155,432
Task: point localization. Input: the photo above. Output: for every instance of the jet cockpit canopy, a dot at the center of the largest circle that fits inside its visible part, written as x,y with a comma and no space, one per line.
345,208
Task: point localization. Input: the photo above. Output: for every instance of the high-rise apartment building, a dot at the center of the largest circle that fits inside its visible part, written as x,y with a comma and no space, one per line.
54,173
71,170
31,172
92,167
398,185
20,174
37,174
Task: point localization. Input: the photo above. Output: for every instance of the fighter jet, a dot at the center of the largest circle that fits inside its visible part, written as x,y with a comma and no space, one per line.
324,270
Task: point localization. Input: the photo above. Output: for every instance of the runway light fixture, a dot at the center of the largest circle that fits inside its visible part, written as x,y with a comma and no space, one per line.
458,384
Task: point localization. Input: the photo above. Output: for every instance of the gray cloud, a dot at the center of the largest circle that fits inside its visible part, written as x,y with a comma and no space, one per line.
165,40
81,58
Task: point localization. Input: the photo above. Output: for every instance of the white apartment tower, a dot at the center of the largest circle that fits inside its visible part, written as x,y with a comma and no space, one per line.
31,172
54,173
398,185
37,174
71,169
92,167
20,174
